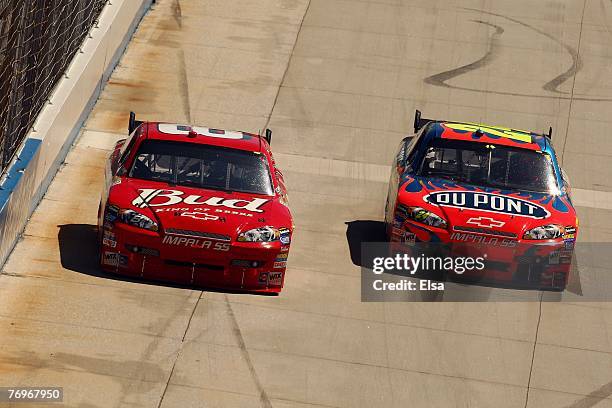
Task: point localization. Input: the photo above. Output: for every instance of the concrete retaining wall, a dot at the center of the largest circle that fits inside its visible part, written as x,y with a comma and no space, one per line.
45,148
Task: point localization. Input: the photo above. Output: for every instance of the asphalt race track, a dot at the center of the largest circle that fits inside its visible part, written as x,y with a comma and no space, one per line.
338,82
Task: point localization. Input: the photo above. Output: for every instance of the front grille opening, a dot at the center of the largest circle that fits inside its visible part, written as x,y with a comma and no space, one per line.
243,263
198,234
142,250
486,231
172,262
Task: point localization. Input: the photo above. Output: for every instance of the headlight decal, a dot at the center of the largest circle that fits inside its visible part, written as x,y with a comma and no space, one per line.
422,216
549,231
136,219
261,234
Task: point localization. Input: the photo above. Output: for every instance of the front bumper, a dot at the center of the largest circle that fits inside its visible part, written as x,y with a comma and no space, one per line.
508,261
258,267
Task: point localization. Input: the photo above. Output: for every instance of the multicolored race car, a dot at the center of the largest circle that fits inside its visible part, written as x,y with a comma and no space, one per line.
485,190
195,205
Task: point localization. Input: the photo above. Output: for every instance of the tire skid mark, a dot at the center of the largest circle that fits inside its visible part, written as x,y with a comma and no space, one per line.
442,78
553,84
594,397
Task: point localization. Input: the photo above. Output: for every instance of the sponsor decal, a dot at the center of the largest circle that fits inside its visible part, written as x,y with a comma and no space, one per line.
196,243
123,260
397,231
112,213
569,232
489,202
275,278
409,238
210,211
480,239
150,197
285,236
114,259
109,242
280,265
569,244
263,278
110,258
566,256
200,216
497,131
175,129
553,258
282,257
486,222
284,249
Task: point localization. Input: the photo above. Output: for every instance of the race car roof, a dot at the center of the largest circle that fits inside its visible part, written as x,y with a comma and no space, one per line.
488,134
203,135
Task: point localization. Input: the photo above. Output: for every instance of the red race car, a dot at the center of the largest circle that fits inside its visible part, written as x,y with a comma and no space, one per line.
484,190
194,205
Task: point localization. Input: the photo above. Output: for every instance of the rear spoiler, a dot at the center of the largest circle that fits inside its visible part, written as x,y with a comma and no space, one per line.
133,124
268,136
419,122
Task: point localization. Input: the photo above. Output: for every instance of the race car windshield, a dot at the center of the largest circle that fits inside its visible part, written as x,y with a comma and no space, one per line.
489,165
202,166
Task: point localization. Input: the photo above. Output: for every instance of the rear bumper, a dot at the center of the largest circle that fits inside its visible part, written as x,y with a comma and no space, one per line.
257,267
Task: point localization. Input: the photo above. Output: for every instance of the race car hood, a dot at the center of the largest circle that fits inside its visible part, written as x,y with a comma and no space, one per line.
201,210
469,207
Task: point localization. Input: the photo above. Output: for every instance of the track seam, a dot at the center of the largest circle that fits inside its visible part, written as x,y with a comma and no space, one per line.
263,395
535,343
178,354
571,100
282,82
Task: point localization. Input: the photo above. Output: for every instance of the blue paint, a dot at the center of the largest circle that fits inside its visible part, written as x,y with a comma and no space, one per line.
15,172
559,205
413,186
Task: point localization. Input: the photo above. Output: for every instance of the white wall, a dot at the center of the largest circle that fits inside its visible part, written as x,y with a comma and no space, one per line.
58,124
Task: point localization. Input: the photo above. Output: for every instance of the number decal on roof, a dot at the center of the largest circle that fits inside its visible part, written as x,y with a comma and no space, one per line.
174,129
494,131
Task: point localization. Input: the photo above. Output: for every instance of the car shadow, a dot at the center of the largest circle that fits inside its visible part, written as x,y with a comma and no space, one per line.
360,231
78,246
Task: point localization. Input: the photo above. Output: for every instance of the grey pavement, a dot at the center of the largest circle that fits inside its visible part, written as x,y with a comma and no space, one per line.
338,82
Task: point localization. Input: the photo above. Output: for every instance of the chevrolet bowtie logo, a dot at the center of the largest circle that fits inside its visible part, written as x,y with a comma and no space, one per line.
200,216
486,222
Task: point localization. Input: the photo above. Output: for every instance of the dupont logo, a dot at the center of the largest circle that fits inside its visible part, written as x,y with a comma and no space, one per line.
486,222
495,203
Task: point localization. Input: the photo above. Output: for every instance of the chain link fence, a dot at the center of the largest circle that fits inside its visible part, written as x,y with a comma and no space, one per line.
38,39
